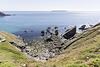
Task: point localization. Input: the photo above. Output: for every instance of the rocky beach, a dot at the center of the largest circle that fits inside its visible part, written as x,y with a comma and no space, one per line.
51,45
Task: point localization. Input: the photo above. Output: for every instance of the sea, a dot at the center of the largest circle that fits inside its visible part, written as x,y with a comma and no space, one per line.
36,21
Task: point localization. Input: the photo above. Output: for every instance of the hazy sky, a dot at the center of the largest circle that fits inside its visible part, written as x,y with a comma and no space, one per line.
47,5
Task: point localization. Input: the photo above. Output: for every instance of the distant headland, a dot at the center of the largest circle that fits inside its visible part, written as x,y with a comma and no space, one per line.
2,14
58,11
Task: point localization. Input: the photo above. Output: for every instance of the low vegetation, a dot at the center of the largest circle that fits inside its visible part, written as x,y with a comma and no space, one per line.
9,55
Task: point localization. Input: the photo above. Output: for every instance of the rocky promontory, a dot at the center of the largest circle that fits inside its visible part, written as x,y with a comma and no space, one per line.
2,14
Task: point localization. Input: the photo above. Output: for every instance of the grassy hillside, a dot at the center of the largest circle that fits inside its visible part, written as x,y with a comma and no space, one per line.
9,55
83,53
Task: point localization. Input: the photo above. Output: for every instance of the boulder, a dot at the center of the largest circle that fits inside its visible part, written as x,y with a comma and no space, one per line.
48,40
56,32
82,27
55,27
31,30
42,33
70,33
49,28
48,31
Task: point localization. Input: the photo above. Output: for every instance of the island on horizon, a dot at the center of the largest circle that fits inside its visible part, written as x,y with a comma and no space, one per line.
59,11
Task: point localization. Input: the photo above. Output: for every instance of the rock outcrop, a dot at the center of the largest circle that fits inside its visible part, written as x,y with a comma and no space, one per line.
82,27
70,33
2,39
21,45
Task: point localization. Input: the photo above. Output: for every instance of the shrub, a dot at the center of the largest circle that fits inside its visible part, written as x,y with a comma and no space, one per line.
72,65
95,63
8,64
83,65
78,62
91,55
76,65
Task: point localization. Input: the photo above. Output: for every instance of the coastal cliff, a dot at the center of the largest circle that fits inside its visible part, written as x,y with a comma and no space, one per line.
80,50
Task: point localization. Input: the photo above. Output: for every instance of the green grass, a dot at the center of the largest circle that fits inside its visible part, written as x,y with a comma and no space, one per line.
8,64
9,55
95,63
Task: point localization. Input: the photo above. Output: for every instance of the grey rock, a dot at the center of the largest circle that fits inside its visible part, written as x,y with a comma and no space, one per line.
70,33
82,27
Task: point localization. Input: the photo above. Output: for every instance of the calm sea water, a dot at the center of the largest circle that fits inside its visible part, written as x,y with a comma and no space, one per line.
37,21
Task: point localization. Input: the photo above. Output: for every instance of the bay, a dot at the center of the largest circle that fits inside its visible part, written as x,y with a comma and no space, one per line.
40,20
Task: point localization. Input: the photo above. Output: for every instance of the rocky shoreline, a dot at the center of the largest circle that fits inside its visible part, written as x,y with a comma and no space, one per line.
45,49
52,45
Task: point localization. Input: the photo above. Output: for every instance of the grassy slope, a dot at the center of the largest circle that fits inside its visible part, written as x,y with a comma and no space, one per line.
8,53
83,53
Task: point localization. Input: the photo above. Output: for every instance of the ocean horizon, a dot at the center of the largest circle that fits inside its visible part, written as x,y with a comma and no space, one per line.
36,21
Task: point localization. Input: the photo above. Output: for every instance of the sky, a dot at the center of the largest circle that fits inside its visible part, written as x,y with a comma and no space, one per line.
48,5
